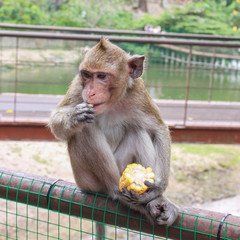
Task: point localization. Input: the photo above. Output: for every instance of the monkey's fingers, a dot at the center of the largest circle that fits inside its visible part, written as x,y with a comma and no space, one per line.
150,185
128,197
143,198
126,194
85,117
85,109
90,120
134,194
138,198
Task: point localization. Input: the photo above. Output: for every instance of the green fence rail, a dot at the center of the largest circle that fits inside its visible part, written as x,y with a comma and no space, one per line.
33,207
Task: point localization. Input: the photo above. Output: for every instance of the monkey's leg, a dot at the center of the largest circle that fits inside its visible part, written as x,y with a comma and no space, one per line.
100,231
162,210
93,164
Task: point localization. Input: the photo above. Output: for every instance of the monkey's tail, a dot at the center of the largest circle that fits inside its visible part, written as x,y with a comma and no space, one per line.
100,231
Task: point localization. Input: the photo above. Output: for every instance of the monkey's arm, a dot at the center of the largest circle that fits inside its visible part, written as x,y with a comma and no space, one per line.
151,149
162,145
161,209
93,162
66,120
71,114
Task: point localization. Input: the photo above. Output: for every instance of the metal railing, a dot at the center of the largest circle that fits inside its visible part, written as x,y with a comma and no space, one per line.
117,32
64,199
145,40
176,54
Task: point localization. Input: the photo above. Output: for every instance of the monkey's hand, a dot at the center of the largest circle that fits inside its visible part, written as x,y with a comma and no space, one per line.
158,211
162,211
83,113
155,190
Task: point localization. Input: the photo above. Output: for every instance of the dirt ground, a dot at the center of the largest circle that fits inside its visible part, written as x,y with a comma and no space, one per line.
199,175
41,56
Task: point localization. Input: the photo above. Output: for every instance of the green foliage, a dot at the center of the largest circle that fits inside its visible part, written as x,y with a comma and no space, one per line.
133,48
122,20
220,17
91,13
68,15
208,17
235,15
147,19
21,11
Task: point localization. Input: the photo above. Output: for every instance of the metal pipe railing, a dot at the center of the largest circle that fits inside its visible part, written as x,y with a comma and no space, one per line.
187,85
64,197
142,40
118,32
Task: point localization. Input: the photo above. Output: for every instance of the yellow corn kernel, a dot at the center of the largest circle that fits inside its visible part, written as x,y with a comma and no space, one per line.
134,176
90,105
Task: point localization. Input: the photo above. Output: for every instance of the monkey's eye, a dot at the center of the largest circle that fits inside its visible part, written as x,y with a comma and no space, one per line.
86,75
102,76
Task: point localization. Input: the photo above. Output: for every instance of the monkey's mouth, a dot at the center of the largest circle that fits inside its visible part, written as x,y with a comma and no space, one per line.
97,104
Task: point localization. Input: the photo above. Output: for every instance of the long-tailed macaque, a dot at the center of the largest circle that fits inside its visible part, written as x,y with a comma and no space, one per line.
109,121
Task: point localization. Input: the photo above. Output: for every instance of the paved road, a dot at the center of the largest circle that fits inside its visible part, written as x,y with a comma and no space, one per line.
38,107
227,205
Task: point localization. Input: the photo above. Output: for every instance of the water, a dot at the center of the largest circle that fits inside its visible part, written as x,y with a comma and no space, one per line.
38,80
171,84
163,81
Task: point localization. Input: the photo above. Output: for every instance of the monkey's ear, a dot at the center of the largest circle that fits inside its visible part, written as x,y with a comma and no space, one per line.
135,65
86,49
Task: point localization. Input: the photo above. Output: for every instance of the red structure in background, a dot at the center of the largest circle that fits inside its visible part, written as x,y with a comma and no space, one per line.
188,134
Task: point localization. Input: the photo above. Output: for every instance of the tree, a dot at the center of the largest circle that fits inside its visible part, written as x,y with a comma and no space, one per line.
207,17
162,3
229,2
22,11
142,4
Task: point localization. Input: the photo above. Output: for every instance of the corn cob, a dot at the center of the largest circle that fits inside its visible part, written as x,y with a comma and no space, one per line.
134,176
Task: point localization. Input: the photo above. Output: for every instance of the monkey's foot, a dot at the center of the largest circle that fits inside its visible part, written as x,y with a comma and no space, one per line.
162,211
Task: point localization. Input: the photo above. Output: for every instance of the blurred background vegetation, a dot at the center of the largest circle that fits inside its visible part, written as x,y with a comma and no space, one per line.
220,17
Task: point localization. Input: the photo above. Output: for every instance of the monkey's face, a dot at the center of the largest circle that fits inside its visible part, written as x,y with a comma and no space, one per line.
106,73
96,89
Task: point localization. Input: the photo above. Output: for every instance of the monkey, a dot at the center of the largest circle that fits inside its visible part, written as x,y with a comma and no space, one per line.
109,120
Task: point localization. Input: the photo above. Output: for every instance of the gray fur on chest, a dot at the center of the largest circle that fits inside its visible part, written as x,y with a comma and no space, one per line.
114,133
114,136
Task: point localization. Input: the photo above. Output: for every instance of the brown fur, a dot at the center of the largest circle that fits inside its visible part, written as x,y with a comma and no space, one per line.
105,56
128,128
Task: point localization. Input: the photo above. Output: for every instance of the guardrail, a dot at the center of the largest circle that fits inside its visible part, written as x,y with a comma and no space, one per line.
64,199
117,39
117,32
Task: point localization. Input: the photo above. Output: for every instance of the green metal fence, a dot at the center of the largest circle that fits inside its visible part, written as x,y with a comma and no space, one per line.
33,207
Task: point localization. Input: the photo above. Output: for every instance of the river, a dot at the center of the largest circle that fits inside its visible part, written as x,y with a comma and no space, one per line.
163,81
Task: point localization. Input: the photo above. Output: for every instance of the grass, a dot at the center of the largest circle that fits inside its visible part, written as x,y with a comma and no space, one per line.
206,155
38,159
207,171
16,149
